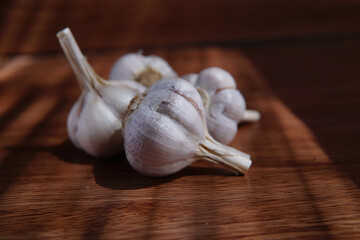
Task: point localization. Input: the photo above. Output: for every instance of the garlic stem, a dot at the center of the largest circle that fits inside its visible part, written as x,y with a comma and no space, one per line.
213,151
251,116
85,74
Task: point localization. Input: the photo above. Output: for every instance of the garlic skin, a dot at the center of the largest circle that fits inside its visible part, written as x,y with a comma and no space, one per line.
93,127
143,69
95,121
165,131
224,105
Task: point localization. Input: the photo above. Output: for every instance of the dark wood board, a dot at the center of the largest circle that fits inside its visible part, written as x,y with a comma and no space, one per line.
29,26
296,189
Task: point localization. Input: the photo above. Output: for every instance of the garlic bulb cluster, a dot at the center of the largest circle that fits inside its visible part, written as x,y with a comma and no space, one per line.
142,69
224,105
95,121
165,131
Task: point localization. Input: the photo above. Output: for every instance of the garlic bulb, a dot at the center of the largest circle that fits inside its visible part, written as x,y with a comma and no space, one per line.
165,131
95,121
224,105
145,70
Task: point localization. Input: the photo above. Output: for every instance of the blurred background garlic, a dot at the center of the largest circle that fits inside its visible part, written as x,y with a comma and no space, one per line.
224,105
165,131
143,69
95,121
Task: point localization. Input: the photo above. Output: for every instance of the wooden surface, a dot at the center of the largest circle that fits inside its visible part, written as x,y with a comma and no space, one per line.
305,179
30,25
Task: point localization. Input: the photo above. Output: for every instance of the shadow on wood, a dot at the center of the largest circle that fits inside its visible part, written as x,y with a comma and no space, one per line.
115,173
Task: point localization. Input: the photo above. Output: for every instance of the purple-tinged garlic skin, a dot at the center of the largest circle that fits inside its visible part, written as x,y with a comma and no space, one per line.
224,104
165,131
143,69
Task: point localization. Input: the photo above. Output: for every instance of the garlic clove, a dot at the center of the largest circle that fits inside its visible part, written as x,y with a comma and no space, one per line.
226,111
99,129
165,131
214,79
224,105
228,103
73,120
128,66
142,69
118,94
159,64
152,143
95,121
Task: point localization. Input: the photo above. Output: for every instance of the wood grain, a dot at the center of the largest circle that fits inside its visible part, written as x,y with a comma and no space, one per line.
29,26
297,62
296,189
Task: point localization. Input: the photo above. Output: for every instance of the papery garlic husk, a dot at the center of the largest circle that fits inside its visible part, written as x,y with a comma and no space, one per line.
165,131
224,105
95,121
143,69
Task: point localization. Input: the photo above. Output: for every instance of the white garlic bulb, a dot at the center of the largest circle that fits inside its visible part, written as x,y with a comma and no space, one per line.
95,121
165,131
142,69
224,105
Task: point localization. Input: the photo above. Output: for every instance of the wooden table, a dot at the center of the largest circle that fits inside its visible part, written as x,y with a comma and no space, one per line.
305,179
